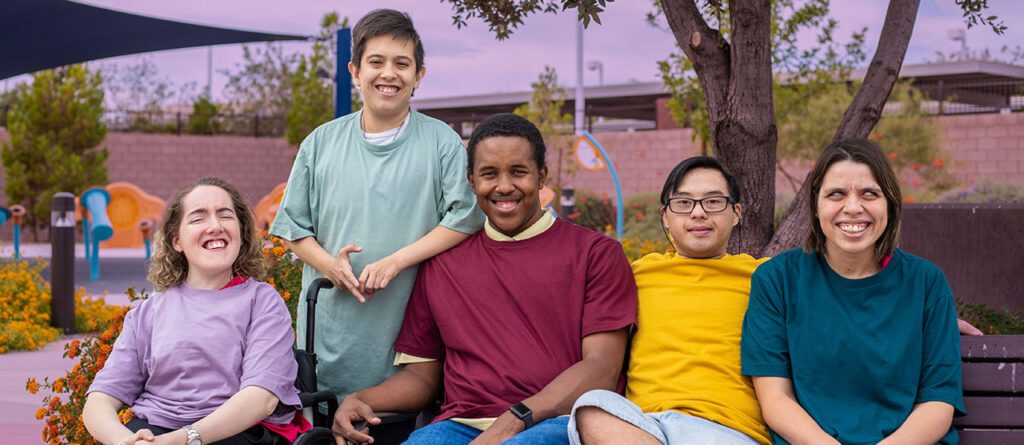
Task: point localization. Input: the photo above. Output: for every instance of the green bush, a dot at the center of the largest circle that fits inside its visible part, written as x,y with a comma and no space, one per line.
991,321
642,218
203,119
594,212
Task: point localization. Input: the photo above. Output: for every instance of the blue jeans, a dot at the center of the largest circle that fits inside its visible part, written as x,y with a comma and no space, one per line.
669,427
446,432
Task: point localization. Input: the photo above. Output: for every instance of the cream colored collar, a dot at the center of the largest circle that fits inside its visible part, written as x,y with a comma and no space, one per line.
544,223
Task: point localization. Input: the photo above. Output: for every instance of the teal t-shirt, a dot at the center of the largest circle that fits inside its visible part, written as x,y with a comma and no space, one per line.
342,190
860,353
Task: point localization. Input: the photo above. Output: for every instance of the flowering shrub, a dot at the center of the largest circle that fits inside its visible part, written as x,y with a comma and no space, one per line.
593,212
284,273
62,410
93,314
24,307
991,321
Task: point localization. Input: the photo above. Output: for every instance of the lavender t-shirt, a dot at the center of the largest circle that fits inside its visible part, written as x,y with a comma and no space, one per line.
184,352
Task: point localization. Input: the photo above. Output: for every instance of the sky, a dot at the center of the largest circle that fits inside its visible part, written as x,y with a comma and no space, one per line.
471,61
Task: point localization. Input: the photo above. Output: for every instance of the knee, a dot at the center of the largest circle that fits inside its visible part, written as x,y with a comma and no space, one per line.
591,422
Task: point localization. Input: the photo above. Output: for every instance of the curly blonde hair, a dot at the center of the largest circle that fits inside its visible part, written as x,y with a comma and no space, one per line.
169,267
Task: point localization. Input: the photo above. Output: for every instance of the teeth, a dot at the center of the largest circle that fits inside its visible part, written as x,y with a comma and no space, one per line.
215,244
388,89
853,228
506,205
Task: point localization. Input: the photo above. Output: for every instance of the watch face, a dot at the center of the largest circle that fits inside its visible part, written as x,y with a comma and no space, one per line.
195,442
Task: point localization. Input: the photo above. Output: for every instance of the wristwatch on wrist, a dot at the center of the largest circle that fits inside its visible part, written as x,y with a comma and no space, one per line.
521,411
192,436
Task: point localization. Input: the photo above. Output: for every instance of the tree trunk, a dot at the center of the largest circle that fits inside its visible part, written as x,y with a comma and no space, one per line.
736,79
861,116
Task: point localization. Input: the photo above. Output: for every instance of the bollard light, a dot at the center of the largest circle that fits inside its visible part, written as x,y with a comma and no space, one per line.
146,227
62,262
568,202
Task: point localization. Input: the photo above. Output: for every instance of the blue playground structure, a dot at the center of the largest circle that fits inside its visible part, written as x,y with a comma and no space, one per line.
95,226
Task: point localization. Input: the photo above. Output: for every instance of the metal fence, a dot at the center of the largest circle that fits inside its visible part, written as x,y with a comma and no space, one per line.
970,96
255,125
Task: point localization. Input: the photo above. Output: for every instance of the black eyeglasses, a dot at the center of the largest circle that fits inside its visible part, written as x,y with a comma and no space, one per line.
712,204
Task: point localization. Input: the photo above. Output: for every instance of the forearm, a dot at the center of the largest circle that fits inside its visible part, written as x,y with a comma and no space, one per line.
927,423
409,390
100,418
240,412
785,416
310,252
557,397
438,240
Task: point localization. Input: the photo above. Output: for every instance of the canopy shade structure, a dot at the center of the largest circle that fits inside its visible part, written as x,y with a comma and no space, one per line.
41,34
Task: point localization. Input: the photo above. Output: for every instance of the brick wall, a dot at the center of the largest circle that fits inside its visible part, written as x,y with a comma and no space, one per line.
985,145
161,164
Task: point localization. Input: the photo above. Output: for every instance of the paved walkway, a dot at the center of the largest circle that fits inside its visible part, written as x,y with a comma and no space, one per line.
119,269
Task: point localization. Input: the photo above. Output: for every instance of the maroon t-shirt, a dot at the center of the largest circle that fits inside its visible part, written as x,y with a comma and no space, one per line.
509,317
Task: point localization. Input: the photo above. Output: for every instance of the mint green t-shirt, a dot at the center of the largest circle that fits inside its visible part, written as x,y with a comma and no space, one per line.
860,352
342,190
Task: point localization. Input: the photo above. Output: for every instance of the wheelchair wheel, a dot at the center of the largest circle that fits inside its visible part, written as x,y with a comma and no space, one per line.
316,436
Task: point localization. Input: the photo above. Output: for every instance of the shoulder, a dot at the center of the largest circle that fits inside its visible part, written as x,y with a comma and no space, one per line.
433,128
788,260
263,294
916,264
330,131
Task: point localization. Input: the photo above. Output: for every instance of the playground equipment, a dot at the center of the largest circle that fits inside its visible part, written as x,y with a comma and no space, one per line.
592,156
266,208
95,227
17,214
128,207
146,227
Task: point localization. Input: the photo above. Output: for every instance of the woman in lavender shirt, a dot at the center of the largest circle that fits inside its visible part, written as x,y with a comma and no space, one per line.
208,358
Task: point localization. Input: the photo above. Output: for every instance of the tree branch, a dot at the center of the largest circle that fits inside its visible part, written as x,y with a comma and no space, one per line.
705,47
866,109
861,116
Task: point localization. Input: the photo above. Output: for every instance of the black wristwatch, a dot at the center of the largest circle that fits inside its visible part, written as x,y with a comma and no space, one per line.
523,413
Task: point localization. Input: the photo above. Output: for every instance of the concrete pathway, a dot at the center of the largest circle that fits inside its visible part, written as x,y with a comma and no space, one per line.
18,424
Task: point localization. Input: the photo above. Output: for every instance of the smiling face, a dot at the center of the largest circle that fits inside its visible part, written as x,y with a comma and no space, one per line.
209,234
699,234
852,211
507,183
386,76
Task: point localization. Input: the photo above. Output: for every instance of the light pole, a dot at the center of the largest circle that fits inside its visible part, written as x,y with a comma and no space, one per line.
596,65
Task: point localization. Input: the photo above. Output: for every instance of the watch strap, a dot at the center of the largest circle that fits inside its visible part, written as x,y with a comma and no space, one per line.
192,435
524,413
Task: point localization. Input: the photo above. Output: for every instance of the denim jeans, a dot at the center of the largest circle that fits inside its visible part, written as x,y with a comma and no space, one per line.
446,432
669,427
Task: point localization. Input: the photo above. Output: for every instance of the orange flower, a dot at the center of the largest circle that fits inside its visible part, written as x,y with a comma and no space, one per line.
892,155
40,413
915,166
909,200
32,386
938,163
58,385
72,348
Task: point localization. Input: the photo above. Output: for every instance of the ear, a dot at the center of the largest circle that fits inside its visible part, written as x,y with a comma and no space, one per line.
543,175
354,71
176,244
738,209
664,217
469,177
419,76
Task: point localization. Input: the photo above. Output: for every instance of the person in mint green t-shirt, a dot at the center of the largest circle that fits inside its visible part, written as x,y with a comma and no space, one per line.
370,196
852,340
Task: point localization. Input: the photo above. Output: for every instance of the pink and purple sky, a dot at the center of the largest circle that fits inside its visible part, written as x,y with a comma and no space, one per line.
470,61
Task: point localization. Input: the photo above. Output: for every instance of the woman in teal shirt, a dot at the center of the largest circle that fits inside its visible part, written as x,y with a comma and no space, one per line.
852,340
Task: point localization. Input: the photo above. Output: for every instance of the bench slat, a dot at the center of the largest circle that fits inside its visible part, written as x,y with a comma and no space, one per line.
993,412
991,437
1006,348
993,377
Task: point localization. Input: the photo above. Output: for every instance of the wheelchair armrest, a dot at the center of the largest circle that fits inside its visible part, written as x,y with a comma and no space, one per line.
312,399
393,429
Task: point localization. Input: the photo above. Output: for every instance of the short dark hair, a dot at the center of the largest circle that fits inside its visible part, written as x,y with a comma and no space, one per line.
385,22
870,154
507,124
684,167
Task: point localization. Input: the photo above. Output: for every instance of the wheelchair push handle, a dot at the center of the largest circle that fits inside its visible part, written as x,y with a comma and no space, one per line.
311,296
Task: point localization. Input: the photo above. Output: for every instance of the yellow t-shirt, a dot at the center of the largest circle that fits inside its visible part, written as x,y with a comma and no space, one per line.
686,353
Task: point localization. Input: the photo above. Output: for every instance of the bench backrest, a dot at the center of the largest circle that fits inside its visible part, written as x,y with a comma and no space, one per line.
993,378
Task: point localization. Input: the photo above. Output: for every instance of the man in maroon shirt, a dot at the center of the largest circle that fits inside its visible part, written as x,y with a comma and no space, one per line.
522,318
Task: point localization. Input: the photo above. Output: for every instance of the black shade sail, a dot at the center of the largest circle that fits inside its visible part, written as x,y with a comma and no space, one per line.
41,34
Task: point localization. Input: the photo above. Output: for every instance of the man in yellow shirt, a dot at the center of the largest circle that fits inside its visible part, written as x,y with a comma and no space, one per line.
685,385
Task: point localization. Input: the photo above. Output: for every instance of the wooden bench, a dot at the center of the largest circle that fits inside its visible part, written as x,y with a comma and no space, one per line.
993,369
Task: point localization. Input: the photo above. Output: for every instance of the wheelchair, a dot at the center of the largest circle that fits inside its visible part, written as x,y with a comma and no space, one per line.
394,427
